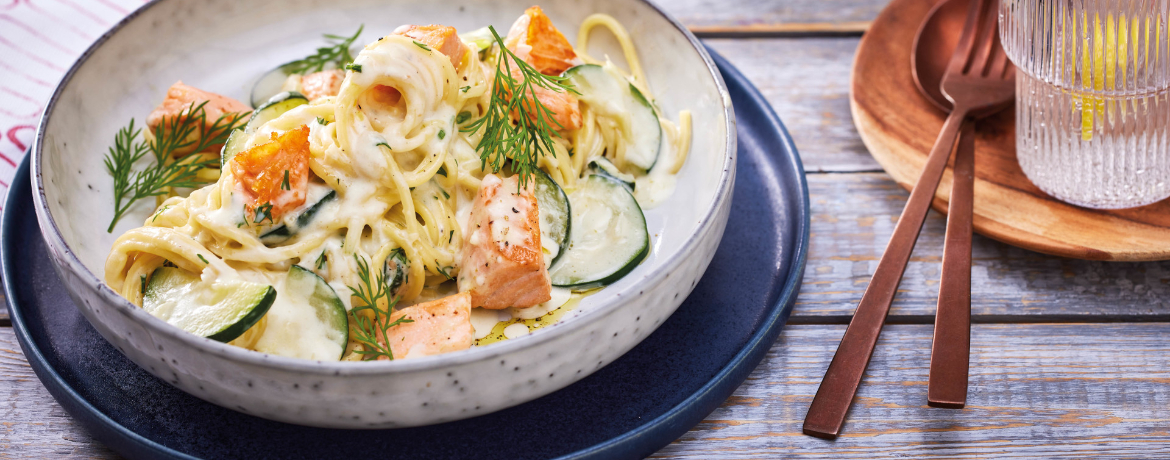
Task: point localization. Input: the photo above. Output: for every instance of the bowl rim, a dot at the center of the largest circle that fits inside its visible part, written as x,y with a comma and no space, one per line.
52,234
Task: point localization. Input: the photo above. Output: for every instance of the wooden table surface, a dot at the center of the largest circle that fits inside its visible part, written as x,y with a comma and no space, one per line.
1067,357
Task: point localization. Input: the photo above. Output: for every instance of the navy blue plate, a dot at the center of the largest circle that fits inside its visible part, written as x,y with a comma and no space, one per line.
628,409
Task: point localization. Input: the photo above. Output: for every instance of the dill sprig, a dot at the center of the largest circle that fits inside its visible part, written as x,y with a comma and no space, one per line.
337,53
367,330
527,136
188,131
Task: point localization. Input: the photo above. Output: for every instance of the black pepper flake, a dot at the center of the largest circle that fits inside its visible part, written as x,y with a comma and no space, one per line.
515,211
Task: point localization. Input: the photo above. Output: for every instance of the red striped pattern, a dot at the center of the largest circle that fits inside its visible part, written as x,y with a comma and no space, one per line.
31,61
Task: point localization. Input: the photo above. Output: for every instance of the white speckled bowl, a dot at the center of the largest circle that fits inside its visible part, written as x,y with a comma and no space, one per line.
222,46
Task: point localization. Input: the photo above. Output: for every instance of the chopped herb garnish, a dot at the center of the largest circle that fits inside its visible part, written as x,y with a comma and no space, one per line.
321,121
462,117
354,67
262,213
367,331
336,54
321,260
202,258
445,194
284,183
449,237
188,131
442,171
442,134
422,45
142,278
465,88
159,211
531,136
384,145
443,271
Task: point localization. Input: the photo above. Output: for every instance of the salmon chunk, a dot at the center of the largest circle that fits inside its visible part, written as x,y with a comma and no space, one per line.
439,38
179,99
274,177
502,263
322,84
535,40
439,326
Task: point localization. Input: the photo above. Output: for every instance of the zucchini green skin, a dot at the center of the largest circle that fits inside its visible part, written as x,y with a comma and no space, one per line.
275,107
271,80
600,166
548,194
233,146
167,278
629,265
239,328
281,232
330,310
587,77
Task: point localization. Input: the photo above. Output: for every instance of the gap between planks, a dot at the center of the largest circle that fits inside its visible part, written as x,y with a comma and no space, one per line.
839,29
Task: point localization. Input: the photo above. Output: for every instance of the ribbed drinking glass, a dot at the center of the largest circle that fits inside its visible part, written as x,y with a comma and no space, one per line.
1092,98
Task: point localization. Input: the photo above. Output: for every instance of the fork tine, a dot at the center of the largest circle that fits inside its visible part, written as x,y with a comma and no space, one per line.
966,44
986,37
999,61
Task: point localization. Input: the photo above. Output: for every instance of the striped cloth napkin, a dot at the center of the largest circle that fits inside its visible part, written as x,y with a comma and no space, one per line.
39,40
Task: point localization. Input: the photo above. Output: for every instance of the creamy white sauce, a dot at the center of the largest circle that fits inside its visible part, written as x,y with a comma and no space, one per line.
294,329
483,320
654,188
559,297
515,330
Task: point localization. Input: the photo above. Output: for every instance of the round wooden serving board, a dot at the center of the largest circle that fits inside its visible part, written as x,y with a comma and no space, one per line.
898,126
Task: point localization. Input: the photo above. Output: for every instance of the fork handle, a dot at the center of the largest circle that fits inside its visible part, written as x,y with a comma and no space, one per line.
950,352
827,412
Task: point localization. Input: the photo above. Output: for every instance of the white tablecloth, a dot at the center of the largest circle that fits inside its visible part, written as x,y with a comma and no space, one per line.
39,41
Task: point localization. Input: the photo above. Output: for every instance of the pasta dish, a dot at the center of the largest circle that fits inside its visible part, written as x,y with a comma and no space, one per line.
431,192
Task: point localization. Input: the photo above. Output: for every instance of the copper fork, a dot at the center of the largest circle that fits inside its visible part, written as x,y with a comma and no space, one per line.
975,83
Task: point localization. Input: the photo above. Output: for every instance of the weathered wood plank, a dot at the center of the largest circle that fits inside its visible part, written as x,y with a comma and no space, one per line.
807,82
1038,390
853,216
32,424
771,16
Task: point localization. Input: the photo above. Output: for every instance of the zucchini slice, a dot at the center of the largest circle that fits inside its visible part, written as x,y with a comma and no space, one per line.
221,310
608,238
268,85
613,96
555,217
303,283
396,272
479,41
234,145
602,166
293,222
275,107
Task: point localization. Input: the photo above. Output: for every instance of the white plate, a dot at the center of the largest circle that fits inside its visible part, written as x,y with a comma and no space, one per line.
223,46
